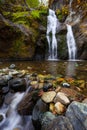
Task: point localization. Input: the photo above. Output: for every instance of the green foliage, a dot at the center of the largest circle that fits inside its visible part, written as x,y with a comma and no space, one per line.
35,14
33,3
63,12
20,17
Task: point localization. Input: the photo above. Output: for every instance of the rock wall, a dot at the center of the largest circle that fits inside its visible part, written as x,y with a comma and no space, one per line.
78,20
20,29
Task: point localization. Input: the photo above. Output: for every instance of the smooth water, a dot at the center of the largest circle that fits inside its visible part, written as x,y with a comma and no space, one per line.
72,50
52,24
72,68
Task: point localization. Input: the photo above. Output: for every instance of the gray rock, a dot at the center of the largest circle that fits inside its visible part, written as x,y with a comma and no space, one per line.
17,84
77,114
60,123
38,110
45,119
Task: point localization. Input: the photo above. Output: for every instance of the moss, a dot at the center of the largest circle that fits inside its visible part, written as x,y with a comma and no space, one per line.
62,47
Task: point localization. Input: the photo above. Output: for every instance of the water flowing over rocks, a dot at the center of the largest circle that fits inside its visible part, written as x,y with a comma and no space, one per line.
43,98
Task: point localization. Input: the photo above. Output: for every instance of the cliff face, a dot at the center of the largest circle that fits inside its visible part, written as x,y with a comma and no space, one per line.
78,20
21,29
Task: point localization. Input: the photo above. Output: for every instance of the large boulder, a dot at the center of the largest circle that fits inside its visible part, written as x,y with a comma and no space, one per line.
77,114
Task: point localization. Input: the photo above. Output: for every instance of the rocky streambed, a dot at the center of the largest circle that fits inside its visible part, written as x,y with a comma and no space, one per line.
31,101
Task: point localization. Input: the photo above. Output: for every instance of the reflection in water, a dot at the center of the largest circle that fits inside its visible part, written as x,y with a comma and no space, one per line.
71,69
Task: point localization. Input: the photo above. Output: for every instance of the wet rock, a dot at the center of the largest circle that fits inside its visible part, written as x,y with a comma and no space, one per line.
34,84
12,66
2,118
52,107
3,81
1,100
77,114
48,96
38,110
72,94
84,101
5,90
28,123
47,87
61,97
8,98
66,85
17,84
25,107
45,119
59,108
60,123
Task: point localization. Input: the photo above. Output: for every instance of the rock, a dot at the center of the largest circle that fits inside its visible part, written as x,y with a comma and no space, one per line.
3,82
72,94
59,108
28,123
12,66
84,101
34,84
2,118
5,90
77,114
60,123
17,84
25,107
1,100
47,87
66,85
38,110
45,120
8,98
61,97
52,107
48,96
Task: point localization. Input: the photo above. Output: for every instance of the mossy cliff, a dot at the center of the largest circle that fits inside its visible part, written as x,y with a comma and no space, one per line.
20,29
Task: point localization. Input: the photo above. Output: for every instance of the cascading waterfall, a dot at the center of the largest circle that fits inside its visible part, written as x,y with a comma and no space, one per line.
11,119
52,24
71,43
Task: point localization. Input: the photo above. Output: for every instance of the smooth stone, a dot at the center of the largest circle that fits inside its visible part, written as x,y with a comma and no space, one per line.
5,90
59,123
17,84
47,87
61,97
77,114
46,119
84,101
25,107
38,110
48,96
66,85
12,66
59,108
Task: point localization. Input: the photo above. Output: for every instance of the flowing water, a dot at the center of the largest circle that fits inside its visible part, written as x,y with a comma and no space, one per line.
71,43
52,25
12,120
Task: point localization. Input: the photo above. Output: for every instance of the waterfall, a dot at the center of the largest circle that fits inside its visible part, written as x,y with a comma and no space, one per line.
71,43
52,25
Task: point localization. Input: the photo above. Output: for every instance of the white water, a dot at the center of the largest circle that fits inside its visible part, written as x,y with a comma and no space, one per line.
71,43
52,25
12,120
